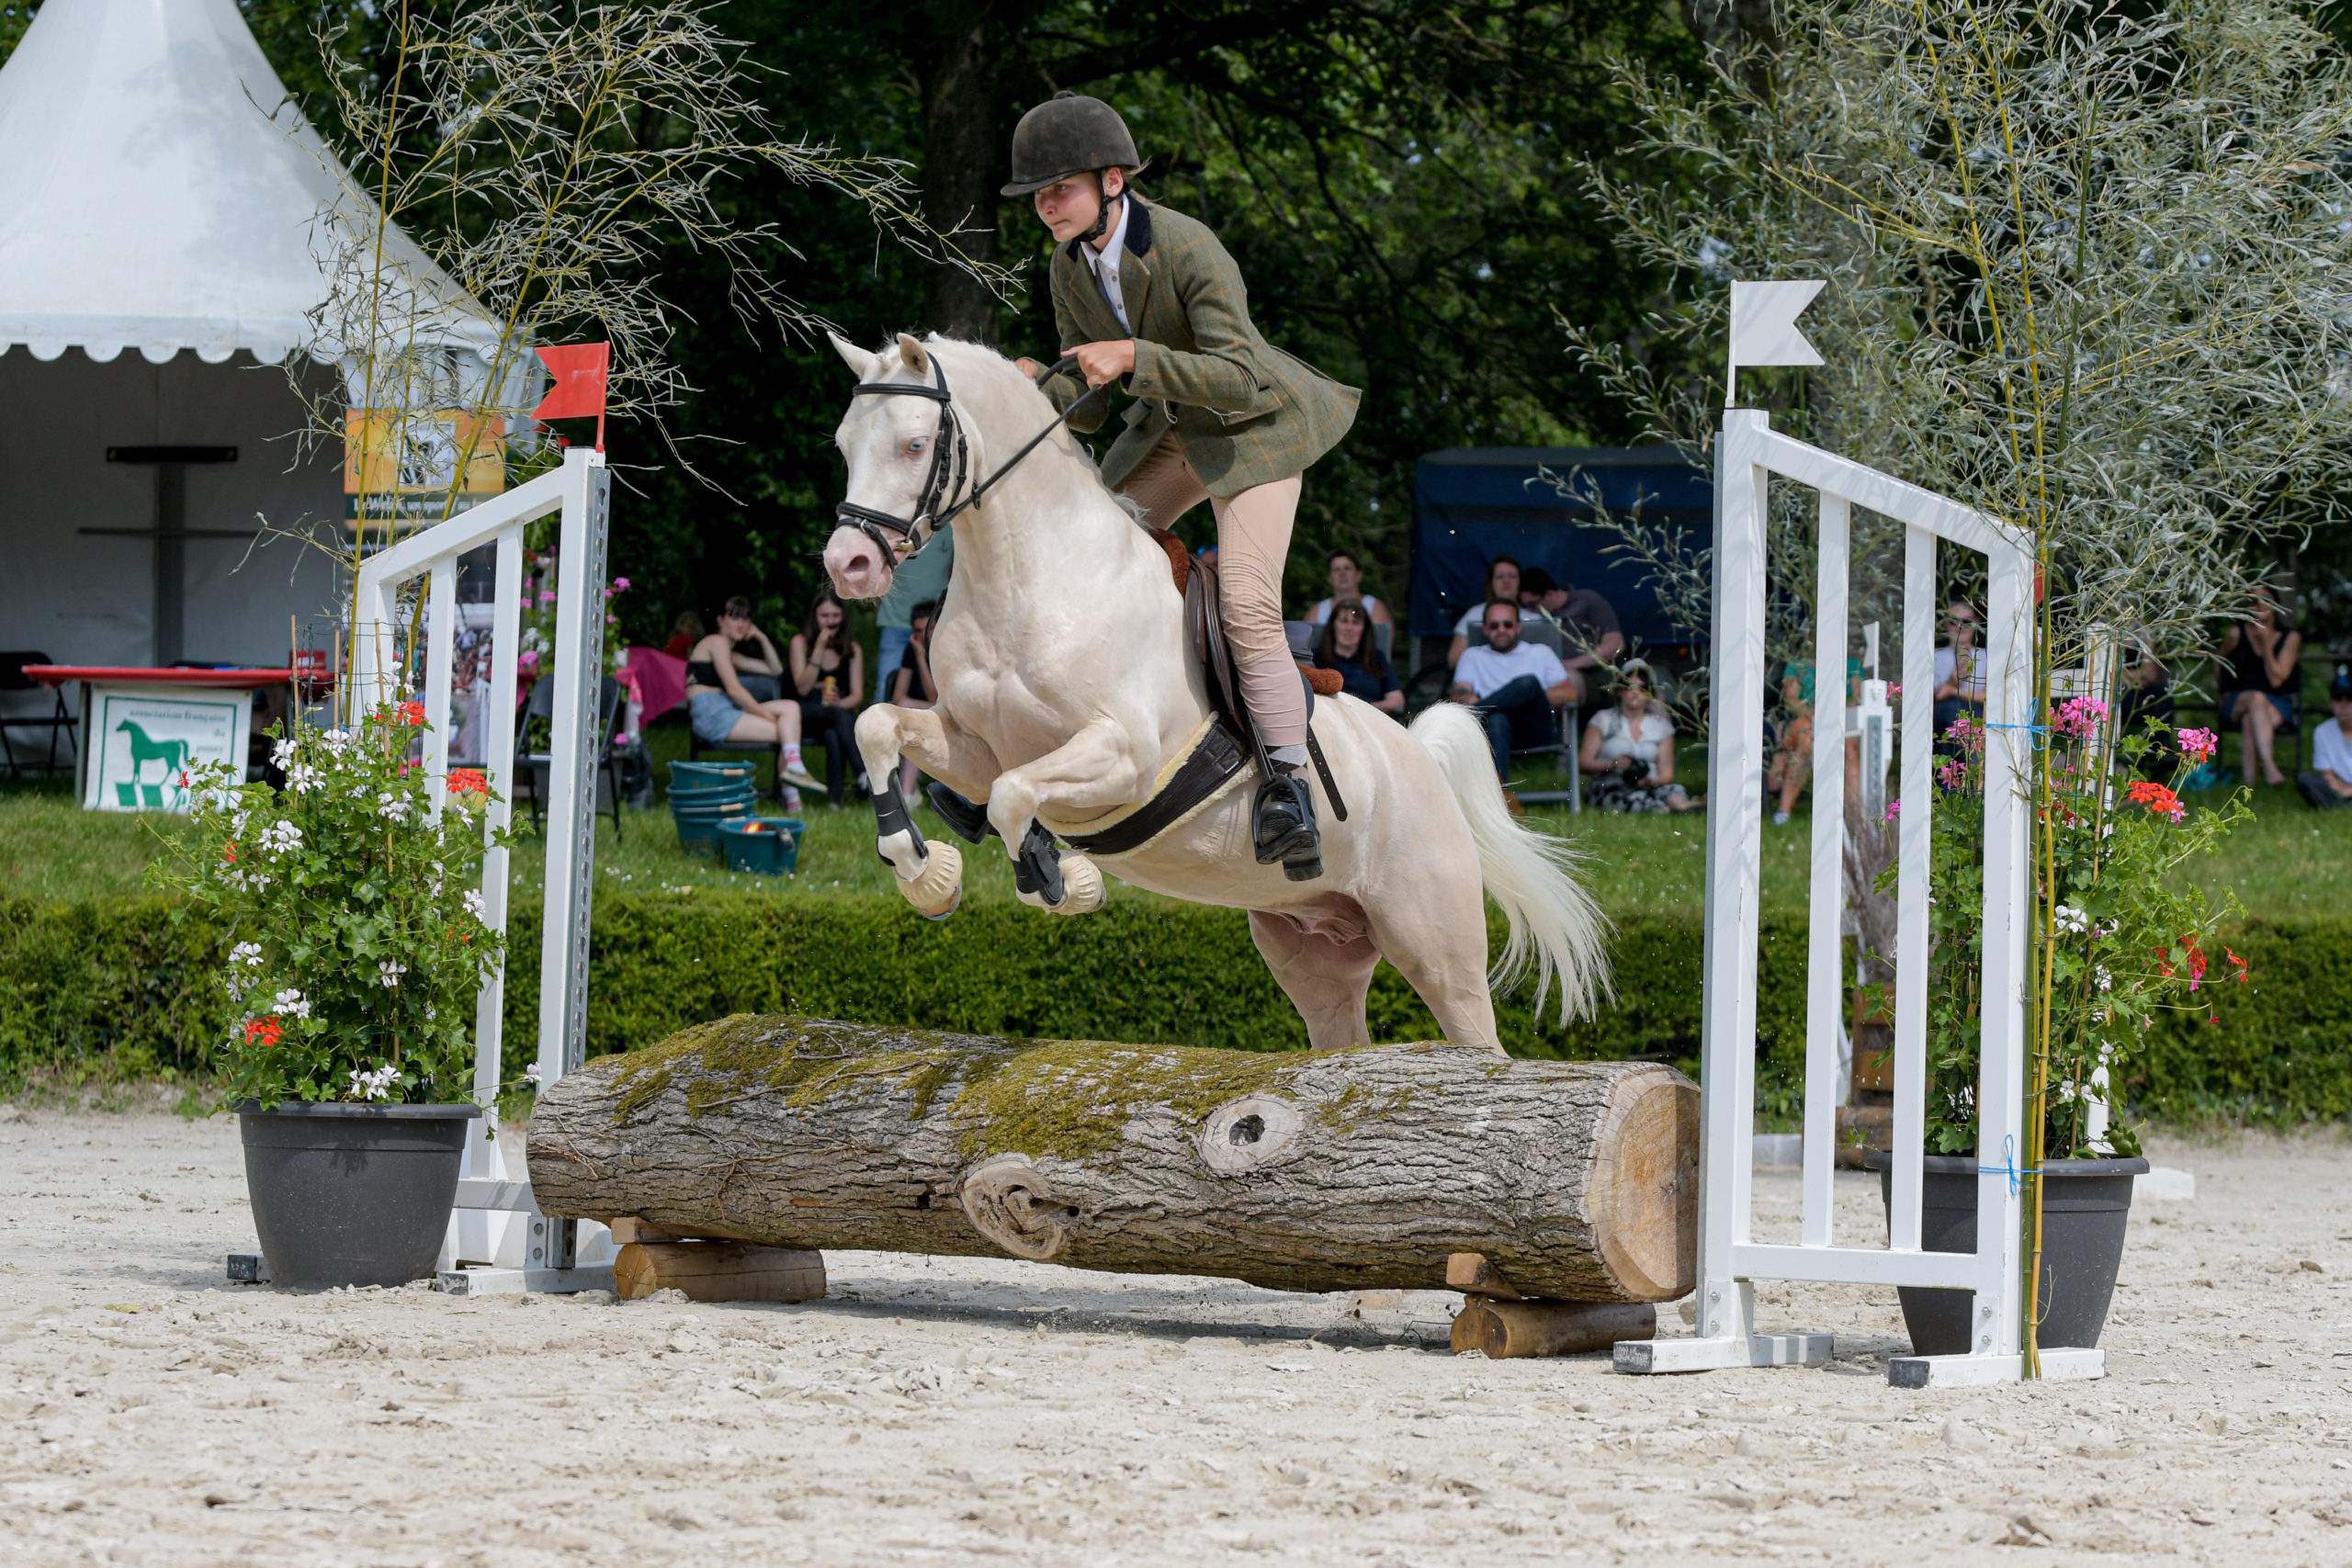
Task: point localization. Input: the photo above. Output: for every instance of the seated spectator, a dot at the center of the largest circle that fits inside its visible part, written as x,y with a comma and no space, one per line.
1792,765
1347,587
1502,585
912,686
1960,673
2146,705
684,632
2261,678
1537,625
1514,685
828,681
1590,638
720,709
1628,750
2328,783
1346,644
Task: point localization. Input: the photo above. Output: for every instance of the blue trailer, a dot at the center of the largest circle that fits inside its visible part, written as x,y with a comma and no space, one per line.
1472,503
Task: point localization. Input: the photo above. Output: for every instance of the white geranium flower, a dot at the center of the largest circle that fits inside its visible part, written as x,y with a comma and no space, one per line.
377,1085
281,756
336,742
390,973
476,907
390,807
290,1003
302,778
247,953
281,838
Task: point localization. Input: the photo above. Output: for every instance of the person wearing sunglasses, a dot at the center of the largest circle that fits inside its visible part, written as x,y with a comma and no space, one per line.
1513,685
1959,671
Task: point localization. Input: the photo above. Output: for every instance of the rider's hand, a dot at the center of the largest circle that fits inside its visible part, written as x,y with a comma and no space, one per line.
1103,363
1029,367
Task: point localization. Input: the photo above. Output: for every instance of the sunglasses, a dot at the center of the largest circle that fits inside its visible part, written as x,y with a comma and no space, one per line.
1502,626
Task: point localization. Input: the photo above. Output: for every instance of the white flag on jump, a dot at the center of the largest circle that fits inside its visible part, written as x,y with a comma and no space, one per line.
1764,327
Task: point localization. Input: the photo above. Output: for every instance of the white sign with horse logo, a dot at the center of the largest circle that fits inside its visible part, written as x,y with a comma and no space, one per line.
143,740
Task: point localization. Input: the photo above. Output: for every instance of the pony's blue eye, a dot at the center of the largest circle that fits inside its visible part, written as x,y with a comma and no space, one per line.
916,445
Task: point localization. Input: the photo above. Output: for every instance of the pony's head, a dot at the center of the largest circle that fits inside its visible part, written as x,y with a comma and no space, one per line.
887,442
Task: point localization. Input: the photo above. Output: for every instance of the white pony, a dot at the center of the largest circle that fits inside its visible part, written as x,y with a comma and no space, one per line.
1067,694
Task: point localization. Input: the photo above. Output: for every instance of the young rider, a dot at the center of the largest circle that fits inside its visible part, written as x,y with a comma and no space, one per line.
1146,293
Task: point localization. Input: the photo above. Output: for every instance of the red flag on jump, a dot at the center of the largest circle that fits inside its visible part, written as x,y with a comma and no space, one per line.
579,369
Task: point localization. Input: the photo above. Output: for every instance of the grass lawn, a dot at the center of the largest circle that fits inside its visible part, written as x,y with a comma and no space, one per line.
2288,861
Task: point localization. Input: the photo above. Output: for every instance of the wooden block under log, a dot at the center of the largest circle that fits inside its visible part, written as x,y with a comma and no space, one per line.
1507,1330
718,1271
1470,1271
627,1229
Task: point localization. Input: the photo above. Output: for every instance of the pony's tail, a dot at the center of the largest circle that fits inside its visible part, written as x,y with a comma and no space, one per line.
1550,920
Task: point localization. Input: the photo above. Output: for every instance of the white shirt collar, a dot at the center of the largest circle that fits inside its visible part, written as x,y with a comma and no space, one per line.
1106,260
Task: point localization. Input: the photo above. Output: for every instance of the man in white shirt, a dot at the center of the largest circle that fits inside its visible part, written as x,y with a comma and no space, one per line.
2329,784
1513,685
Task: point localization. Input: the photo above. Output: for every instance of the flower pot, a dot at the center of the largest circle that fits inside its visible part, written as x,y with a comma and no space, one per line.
764,846
352,1194
2086,1204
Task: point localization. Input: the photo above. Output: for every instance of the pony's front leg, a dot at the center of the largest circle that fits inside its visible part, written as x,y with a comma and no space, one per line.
1096,770
930,877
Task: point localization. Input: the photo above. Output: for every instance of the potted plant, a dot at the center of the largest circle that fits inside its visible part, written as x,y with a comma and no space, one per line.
2115,943
358,948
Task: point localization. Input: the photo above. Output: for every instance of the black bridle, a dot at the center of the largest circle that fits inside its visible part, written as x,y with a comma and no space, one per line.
948,473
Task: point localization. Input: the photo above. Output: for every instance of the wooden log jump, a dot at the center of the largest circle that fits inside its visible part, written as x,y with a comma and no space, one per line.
1361,1169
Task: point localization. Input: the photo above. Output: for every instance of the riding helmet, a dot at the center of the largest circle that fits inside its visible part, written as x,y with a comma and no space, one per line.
1067,135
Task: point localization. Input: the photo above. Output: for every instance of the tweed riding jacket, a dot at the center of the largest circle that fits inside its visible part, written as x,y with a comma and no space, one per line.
1245,412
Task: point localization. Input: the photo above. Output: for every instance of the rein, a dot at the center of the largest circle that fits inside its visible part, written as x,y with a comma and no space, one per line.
939,485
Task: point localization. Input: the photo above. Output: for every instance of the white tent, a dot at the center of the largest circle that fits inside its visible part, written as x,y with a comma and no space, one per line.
158,193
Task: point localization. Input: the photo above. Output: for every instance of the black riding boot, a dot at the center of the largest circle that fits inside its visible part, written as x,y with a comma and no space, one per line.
1284,825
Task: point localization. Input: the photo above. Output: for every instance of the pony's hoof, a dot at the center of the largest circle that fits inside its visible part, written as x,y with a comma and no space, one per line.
938,888
1083,891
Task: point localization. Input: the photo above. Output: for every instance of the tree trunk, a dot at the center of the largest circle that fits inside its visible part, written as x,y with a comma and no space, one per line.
1337,1171
963,164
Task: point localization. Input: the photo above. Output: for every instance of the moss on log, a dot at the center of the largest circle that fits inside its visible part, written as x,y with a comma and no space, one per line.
1340,1170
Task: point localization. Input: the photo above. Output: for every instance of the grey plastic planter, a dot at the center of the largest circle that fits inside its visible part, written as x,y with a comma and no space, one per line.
353,1195
2086,1206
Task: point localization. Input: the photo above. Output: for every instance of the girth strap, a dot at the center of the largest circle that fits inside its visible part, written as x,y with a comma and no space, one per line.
1214,760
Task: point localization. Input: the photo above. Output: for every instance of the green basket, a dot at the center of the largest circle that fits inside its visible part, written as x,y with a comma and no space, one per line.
693,778
698,829
764,846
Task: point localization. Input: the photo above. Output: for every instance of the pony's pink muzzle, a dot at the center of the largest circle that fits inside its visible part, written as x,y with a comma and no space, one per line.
856,565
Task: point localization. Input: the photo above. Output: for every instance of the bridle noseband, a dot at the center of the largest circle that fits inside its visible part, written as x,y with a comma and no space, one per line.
944,480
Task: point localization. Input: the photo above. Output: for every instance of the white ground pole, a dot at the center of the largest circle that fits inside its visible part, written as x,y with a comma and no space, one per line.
1730,1260
498,1241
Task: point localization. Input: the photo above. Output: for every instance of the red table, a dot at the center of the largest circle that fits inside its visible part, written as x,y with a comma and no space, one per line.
56,675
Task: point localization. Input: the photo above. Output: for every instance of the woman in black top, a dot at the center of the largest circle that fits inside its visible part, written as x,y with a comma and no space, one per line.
910,685
2261,679
828,676
720,707
1346,645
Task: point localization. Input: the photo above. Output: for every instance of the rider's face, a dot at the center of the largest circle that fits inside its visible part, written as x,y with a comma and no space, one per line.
1068,207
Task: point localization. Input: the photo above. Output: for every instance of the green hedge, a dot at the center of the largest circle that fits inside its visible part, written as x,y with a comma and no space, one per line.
132,986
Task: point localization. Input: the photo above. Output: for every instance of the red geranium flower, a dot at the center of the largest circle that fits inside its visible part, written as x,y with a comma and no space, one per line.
411,713
263,1032
468,781
2160,801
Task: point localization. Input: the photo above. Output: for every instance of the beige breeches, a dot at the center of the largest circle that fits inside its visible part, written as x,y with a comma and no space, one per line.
1252,543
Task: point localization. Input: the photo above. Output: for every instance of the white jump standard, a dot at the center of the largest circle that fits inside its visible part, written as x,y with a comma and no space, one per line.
1730,1260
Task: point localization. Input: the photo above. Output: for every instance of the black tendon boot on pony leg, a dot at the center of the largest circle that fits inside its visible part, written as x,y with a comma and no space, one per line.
1284,824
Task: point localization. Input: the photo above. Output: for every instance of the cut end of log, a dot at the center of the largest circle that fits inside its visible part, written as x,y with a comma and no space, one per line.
1509,1330
1010,1202
718,1271
1643,1187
